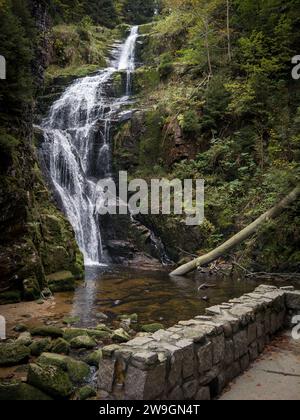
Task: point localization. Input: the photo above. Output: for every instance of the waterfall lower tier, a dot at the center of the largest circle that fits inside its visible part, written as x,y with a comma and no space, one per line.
77,145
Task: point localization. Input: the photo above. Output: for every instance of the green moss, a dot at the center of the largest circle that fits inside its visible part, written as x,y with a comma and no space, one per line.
61,282
18,391
12,296
152,328
86,392
44,331
145,79
13,354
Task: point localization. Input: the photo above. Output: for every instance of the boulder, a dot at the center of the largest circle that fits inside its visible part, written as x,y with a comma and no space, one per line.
93,359
18,391
83,342
77,371
40,346
44,331
121,336
59,346
70,333
152,328
86,392
51,379
13,354
25,339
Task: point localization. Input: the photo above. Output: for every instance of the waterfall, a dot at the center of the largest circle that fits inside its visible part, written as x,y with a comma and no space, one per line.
77,146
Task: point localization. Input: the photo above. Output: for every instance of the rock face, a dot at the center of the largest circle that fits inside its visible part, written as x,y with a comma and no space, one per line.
196,359
36,239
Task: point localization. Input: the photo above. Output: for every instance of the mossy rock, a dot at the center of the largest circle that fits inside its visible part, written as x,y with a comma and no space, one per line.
78,371
31,289
12,296
133,317
71,320
121,336
44,331
13,354
18,391
103,327
25,339
147,28
152,328
145,79
70,333
59,346
93,359
40,346
86,392
51,379
83,342
62,281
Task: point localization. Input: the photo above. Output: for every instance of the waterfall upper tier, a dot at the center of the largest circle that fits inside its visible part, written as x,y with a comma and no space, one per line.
77,146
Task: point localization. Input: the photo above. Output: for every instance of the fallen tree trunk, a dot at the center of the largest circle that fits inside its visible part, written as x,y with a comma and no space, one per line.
239,237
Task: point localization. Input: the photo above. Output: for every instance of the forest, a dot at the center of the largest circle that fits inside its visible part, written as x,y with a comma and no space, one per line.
162,89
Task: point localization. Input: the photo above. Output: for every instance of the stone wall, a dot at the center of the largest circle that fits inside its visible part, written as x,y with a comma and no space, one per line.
196,359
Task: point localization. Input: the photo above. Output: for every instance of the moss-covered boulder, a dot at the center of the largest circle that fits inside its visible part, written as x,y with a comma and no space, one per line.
51,379
18,391
77,371
39,346
62,281
93,359
70,333
145,79
59,346
13,354
45,331
86,392
24,338
152,328
121,336
83,342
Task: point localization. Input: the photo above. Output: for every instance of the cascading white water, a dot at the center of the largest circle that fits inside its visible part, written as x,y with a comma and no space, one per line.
77,145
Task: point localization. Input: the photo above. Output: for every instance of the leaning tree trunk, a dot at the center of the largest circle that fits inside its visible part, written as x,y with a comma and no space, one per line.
239,237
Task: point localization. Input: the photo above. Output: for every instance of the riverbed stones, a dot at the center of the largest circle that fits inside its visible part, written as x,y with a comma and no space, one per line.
86,392
13,353
83,342
51,379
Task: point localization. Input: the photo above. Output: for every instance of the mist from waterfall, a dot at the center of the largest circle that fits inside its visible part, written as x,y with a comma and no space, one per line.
77,147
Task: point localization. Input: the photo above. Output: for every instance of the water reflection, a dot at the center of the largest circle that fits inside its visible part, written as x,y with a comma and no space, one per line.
153,295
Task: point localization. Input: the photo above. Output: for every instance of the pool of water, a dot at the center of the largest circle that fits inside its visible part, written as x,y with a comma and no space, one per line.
153,295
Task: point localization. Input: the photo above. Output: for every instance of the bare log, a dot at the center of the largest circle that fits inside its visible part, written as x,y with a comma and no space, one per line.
239,237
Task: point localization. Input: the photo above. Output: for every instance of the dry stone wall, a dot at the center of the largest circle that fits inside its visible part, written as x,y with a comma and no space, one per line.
196,359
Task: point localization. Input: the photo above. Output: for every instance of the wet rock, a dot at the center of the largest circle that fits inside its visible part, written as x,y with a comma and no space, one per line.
51,379
109,350
152,328
44,331
71,321
39,346
83,342
103,327
77,371
133,317
59,346
121,336
62,281
13,354
93,359
86,392
18,391
101,316
25,339
70,333
12,296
